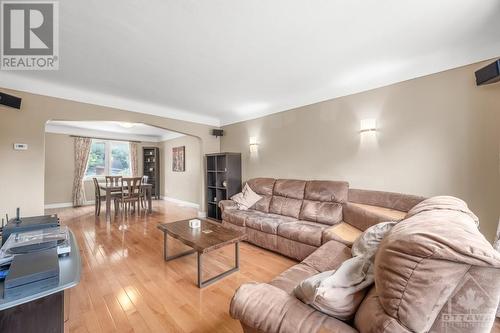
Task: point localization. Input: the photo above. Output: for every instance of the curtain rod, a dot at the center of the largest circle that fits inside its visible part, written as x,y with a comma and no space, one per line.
108,139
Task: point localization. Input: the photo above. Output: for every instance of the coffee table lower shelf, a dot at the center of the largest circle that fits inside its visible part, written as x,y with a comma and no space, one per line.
201,283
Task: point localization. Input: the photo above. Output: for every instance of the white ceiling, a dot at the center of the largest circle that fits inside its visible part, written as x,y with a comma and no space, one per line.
222,61
111,130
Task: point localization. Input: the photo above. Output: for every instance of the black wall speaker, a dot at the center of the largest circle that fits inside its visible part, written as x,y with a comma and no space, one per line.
488,74
217,132
10,101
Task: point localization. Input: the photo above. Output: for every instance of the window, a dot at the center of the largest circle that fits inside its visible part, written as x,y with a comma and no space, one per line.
96,165
108,158
120,159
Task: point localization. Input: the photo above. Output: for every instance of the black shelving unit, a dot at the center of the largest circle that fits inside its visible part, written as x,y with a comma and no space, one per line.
151,168
223,180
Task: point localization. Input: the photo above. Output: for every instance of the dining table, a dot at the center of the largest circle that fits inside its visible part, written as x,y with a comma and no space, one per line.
109,189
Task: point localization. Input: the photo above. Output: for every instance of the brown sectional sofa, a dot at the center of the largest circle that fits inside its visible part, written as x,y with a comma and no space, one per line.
295,217
434,272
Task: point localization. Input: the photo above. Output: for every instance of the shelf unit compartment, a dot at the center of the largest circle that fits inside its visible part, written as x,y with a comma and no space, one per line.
221,178
211,162
221,163
212,195
212,211
221,194
211,179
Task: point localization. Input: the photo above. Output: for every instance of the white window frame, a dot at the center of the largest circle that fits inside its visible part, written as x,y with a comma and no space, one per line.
107,159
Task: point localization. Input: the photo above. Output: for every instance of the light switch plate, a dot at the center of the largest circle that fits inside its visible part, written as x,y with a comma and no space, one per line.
20,146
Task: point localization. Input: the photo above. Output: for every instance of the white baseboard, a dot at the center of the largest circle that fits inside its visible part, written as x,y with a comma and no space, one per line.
181,202
67,204
59,205
174,200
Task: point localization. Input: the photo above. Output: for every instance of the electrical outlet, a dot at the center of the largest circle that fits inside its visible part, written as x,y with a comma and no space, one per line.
20,146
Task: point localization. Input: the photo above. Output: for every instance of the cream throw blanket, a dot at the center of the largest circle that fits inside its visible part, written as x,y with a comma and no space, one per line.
338,293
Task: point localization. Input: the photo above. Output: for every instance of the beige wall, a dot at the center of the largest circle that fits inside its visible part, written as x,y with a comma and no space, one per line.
182,185
23,172
437,135
59,168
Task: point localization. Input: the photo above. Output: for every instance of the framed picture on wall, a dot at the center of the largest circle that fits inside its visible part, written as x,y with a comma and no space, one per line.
179,159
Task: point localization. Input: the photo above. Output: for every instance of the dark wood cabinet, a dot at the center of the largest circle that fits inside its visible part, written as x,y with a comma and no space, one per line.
223,180
151,168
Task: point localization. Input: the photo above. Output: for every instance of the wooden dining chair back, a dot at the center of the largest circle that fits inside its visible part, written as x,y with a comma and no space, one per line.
98,198
145,179
114,180
131,193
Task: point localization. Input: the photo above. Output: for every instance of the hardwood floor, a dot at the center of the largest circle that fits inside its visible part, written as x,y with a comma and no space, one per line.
127,287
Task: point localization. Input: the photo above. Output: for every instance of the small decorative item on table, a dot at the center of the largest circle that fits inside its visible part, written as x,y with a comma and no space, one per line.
194,224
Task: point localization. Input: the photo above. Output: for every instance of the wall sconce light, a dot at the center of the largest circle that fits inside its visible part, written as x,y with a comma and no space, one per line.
368,125
254,145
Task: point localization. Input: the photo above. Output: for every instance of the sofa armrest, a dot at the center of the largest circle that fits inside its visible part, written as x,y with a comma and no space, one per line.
328,256
362,218
227,205
269,309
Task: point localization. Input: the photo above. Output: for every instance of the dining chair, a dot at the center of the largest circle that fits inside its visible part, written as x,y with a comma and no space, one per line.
143,191
114,180
131,193
99,197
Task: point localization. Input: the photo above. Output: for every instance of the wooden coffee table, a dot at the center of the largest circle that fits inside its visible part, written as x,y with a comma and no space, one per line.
210,236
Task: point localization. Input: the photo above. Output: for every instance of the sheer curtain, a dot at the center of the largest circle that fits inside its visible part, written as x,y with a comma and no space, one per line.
82,151
134,162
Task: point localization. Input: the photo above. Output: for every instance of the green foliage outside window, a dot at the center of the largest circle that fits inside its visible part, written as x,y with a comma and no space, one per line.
96,163
118,163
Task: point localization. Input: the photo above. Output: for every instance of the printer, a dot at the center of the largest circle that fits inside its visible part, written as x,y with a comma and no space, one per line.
22,224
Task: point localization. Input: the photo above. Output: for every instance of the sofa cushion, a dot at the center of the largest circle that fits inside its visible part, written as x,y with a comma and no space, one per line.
285,206
287,197
239,217
303,231
289,188
326,191
321,212
322,201
267,223
263,187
